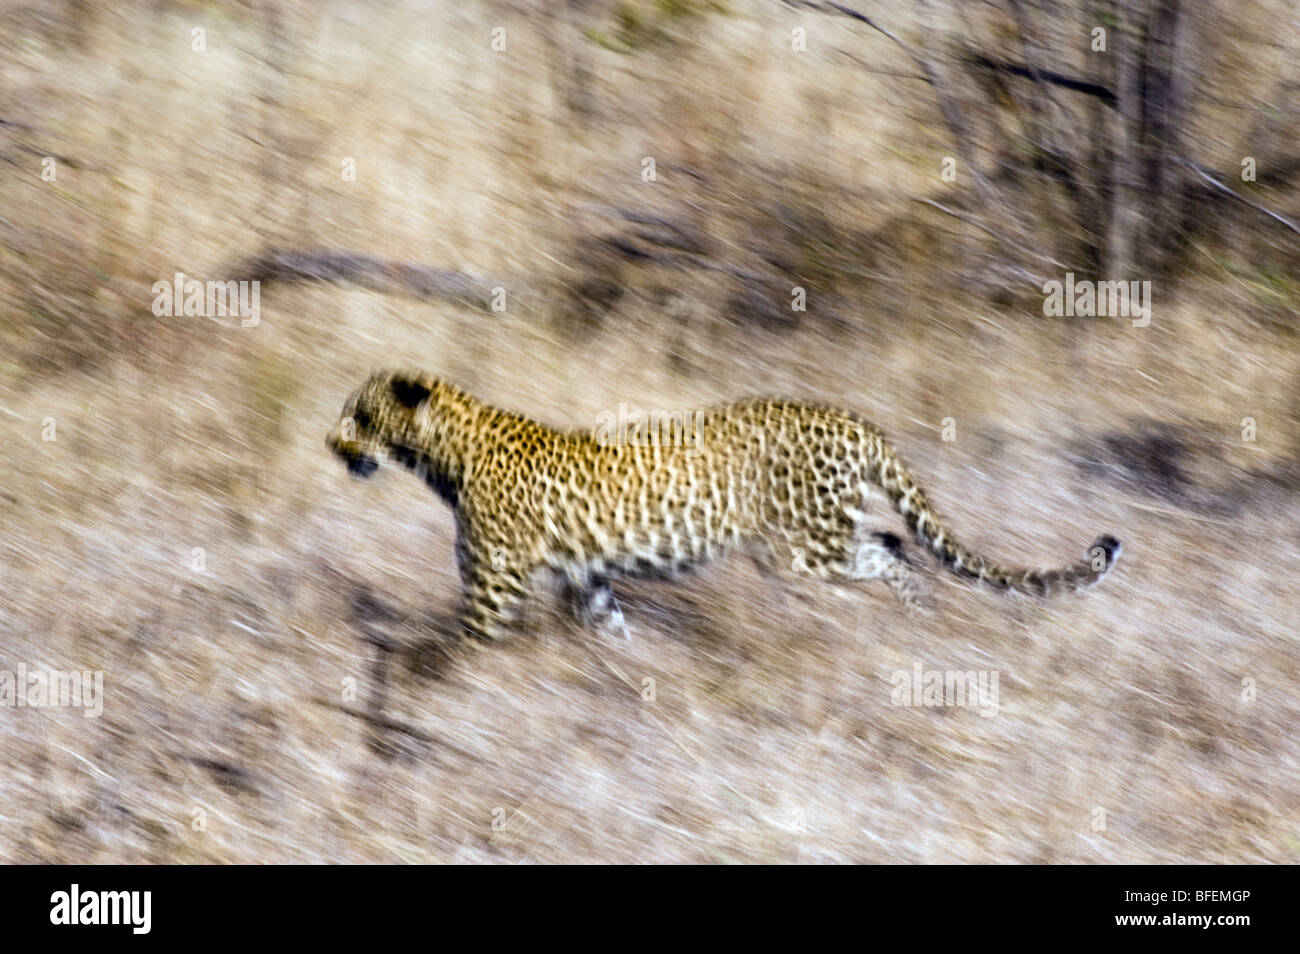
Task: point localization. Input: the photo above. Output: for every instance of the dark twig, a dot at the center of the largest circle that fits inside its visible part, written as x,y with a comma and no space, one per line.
1104,93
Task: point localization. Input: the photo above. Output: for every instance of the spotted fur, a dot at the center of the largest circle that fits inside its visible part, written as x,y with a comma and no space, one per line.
531,501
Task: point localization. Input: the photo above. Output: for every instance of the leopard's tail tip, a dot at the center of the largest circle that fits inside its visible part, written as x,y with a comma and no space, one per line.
1110,548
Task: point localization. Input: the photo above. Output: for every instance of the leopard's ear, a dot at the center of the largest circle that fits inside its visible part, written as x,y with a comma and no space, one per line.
409,393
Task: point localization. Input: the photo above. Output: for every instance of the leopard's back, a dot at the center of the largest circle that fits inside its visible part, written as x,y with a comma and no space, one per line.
750,469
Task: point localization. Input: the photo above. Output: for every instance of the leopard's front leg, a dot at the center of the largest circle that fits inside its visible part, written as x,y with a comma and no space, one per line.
494,585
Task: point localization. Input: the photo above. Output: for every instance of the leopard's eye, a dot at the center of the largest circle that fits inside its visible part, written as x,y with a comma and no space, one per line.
361,418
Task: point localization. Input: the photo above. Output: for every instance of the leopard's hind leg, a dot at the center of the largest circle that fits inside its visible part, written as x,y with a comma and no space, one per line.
880,556
592,599
867,555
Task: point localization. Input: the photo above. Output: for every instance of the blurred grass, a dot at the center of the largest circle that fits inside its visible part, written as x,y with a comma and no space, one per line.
771,737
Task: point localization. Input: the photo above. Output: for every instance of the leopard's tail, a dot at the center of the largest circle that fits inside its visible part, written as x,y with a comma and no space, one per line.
909,500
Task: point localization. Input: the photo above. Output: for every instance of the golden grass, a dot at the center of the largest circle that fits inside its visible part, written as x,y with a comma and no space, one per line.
771,736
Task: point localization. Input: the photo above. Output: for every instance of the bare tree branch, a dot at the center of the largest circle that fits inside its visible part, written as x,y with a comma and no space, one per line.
1187,163
989,231
950,114
329,265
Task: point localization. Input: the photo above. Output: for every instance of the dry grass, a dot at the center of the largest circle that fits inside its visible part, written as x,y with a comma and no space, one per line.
771,736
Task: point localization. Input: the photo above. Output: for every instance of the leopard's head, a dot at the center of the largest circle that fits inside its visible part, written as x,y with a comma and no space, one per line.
377,419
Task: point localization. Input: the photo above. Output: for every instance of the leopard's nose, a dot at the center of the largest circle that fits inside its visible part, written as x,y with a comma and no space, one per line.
362,466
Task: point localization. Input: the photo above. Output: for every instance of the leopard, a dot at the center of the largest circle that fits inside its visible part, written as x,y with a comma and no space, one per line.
532,502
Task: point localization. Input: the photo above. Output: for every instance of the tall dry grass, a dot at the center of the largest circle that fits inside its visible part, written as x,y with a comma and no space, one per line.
299,698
